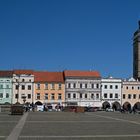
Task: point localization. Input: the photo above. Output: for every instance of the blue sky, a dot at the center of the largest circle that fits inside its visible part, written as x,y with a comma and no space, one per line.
55,35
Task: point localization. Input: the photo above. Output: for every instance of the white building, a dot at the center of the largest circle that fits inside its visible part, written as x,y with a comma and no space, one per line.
82,88
23,86
111,93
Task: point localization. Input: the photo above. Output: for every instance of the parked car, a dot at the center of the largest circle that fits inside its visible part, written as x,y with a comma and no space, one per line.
109,110
90,109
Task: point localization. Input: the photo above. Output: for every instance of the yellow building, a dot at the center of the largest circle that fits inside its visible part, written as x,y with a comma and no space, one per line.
49,89
131,94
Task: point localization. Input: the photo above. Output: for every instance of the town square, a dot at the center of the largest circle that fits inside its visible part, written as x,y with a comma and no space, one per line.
70,125
69,70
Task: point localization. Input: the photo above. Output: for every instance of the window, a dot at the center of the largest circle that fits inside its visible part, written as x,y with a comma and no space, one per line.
7,86
116,95
7,95
138,88
59,86
23,87
97,85
92,85
52,96
134,96
116,86
52,86
46,96
81,86
69,95
86,96
132,87
139,96
123,96
105,95
80,95
1,95
29,96
69,85
111,86
16,96
74,85
38,86
127,87
38,96
17,86
30,80
23,80
29,87
129,96
111,95
74,95
59,96
85,85
46,86
105,86
92,96
97,96
1,86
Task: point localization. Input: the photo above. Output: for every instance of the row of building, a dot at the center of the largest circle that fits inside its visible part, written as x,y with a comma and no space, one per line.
68,88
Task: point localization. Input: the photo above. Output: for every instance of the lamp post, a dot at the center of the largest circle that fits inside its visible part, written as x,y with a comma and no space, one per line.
16,81
24,99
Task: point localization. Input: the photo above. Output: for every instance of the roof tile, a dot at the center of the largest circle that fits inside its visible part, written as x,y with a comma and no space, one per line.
23,71
6,73
76,73
41,76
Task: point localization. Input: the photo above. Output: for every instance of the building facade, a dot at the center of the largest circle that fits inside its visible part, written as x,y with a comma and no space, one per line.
131,94
136,54
49,89
82,88
23,86
111,93
6,87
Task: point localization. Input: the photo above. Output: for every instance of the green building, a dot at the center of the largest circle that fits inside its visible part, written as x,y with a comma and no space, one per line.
6,87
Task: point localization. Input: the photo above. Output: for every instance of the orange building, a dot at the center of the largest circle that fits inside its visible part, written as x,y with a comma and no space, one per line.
49,88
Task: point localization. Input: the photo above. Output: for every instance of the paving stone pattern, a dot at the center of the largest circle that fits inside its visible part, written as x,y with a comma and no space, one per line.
74,126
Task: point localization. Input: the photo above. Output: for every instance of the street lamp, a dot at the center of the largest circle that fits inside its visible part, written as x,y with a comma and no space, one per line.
17,83
24,99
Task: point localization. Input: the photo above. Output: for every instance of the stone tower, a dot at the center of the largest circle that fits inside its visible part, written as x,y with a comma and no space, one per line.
136,54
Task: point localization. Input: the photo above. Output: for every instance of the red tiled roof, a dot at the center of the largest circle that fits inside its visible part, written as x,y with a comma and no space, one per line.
6,73
76,73
23,71
41,76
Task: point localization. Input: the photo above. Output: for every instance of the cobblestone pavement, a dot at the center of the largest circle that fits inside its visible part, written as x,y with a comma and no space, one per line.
7,124
73,126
